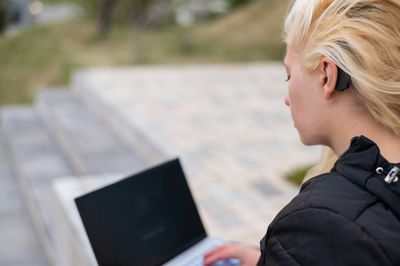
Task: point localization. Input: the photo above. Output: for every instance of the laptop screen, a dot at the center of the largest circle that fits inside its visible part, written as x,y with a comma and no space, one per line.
144,219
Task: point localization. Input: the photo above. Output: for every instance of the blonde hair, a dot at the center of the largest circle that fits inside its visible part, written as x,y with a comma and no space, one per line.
362,37
328,159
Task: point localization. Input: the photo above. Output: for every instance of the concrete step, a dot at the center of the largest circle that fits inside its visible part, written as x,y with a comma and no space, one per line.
19,242
129,127
37,160
86,137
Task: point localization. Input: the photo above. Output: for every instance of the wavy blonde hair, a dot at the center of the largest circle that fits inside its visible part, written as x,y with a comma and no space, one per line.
362,37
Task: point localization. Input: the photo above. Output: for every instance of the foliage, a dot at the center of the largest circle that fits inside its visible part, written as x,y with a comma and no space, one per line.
255,28
296,176
3,16
236,3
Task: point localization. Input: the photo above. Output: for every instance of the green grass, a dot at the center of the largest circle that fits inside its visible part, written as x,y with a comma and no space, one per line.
296,175
46,55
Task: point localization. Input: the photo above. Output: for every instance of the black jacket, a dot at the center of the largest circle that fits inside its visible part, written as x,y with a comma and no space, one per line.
349,216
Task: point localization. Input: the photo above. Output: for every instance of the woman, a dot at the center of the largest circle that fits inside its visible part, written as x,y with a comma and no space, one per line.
343,66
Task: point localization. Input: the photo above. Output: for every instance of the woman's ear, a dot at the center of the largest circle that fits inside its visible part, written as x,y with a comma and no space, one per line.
329,74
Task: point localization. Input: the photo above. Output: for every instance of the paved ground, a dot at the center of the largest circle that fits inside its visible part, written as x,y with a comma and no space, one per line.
228,124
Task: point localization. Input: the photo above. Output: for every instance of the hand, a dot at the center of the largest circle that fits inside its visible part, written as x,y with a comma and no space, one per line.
248,255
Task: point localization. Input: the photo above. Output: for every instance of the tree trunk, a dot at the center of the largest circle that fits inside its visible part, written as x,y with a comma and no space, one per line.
3,16
139,12
105,16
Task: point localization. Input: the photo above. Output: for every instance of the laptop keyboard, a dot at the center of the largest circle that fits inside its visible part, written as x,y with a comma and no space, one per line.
230,262
197,261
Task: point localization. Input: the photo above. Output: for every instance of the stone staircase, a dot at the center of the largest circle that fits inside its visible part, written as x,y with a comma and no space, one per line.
59,136
37,160
19,243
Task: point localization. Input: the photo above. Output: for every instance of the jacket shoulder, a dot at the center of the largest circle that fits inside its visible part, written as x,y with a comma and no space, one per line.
315,236
332,192
331,217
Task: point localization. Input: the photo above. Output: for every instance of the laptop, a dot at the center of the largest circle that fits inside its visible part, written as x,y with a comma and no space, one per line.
147,219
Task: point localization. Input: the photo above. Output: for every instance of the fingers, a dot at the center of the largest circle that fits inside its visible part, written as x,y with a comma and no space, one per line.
217,249
222,252
247,255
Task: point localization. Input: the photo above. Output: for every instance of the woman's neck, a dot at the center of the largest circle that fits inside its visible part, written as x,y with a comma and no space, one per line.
387,141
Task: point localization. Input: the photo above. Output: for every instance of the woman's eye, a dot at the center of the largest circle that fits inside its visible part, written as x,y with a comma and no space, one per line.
287,79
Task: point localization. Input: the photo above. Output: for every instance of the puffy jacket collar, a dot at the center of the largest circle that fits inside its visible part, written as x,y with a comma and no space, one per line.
359,164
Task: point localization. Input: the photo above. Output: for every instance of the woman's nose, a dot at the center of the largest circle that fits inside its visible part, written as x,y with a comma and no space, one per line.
287,100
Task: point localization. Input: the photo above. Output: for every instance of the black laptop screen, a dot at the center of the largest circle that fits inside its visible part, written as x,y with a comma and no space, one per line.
145,219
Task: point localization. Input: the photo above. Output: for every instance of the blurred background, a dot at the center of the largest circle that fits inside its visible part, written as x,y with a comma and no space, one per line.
43,41
94,90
